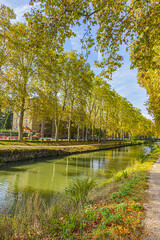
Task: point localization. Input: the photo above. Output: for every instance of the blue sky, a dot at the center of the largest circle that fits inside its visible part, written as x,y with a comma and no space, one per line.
124,80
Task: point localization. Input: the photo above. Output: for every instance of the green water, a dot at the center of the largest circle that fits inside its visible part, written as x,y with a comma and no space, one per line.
53,175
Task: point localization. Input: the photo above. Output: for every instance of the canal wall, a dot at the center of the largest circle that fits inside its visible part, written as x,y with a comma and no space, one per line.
28,153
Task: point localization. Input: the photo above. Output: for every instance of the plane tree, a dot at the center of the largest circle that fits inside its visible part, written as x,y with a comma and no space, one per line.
6,15
18,73
79,84
150,80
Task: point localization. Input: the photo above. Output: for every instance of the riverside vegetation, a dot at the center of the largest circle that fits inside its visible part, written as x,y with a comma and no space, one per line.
113,210
12,151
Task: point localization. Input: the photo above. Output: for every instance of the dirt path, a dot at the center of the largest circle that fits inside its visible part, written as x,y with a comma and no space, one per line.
152,220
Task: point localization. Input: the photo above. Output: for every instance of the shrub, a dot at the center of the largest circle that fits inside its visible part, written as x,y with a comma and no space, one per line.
141,155
120,175
80,189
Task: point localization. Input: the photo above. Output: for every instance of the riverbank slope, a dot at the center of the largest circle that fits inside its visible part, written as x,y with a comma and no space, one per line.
26,151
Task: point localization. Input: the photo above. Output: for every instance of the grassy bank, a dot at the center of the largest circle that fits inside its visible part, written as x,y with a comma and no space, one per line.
112,211
27,151
16,143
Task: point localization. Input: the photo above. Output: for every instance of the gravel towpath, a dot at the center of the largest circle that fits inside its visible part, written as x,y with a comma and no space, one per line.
152,221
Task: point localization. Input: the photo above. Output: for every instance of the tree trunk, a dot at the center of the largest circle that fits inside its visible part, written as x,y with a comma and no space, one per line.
20,131
42,128
69,130
99,134
112,135
93,132
83,134
53,129
117,135
57,131
78,133
104,135
86,137
122,135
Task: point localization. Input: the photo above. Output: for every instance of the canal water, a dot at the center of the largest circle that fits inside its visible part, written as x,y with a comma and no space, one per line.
54,175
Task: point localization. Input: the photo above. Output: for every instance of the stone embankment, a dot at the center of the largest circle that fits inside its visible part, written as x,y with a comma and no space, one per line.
22,153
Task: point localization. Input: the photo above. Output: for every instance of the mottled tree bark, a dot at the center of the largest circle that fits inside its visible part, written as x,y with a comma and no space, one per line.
86,137
78,133
20,130
69,130
57,130
42,128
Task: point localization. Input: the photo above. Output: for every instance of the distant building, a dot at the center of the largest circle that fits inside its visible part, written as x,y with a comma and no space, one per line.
34,125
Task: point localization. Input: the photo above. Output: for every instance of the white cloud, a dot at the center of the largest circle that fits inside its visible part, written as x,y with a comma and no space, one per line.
19,11
75,41
7,3
147,115
20,8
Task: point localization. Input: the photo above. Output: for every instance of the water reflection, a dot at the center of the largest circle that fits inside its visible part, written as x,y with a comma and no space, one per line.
50,176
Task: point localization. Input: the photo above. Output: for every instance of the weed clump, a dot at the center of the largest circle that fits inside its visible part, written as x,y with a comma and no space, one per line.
79,189
141,155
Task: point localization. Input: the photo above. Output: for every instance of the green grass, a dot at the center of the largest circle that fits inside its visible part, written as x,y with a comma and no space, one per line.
112,211
50,143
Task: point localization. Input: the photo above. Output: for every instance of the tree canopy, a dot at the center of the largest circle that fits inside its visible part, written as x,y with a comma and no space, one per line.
117,22
107,25
61,85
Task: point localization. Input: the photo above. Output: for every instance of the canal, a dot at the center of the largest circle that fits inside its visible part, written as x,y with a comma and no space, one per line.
52,176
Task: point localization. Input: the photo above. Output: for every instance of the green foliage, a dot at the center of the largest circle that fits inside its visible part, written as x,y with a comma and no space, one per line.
133,139
137,206
89,214
1,160
141,155
156,149
8,122
127,188
108,219
120,175
6,131
3,116
121,206
80,188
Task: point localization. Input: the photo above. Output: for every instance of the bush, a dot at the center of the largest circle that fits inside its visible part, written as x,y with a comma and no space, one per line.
133,139
120,175
141,155
80,189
